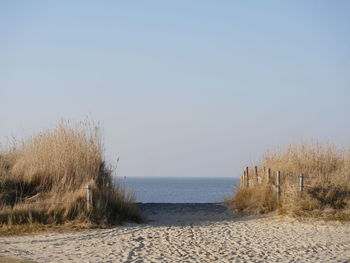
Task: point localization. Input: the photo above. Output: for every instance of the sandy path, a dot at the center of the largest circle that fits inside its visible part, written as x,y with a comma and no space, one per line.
191,233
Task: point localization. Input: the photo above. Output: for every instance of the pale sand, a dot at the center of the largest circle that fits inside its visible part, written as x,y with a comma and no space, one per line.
191,233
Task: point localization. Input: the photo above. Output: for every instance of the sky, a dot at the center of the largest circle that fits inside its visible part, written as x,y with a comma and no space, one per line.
180,88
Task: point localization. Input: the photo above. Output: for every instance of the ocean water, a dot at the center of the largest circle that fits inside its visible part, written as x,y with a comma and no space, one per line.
180,190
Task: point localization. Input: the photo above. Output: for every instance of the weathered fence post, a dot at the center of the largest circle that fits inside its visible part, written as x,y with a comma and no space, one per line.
278,184
256,174
88,198
301,182
243,180
247,175
268,175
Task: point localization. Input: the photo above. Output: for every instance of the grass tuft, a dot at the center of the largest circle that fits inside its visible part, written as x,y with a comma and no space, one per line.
327,183
43,180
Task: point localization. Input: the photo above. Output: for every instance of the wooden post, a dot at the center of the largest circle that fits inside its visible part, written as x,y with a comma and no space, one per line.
278,184
88,198
244,179
256,174
247,175
301,182
268,175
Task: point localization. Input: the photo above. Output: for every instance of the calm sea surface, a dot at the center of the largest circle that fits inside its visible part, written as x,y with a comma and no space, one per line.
180,190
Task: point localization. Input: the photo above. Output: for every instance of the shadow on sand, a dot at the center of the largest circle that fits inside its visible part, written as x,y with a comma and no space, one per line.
182,214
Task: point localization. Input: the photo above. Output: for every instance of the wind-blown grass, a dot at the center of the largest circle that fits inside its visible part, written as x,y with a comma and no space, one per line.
327,183
43,180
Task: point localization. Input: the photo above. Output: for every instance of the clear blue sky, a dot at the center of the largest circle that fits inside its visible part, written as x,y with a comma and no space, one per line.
181,88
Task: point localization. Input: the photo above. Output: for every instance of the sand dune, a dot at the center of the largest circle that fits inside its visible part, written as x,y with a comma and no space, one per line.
191,233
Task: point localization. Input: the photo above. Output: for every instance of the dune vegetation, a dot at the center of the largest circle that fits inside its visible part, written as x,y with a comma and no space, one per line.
326,193
43,180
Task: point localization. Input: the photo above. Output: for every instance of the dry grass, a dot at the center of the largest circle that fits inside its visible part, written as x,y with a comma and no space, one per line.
256,199
14,260
43,180
327,183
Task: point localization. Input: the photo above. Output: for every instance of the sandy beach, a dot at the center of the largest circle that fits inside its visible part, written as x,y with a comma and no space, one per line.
191,233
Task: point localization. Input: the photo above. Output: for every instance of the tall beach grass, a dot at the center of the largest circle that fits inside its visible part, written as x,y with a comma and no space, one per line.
326,170
43,180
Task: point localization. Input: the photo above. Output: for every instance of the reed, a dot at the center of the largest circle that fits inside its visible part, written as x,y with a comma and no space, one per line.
43,179
326,170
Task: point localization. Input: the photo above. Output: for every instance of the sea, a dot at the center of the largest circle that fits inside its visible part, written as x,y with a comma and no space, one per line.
180,190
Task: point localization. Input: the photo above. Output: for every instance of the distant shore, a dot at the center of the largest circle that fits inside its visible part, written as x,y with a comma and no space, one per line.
203,232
